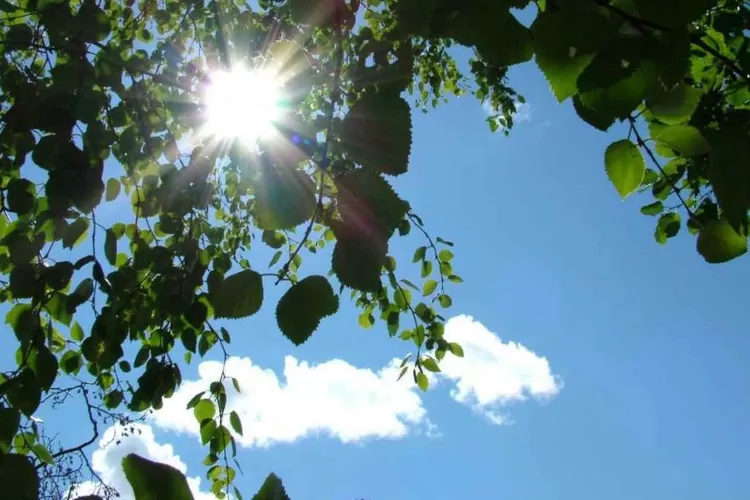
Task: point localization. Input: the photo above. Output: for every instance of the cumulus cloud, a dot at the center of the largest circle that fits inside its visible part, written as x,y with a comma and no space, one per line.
493,374
350,403
118,441
332,398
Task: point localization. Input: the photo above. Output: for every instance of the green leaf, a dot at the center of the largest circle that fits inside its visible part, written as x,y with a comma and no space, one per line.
366,199
358,259
58,276
718,242
599,121
430,365
272,489
71,362
110,247
239,295
23,282
21,196
220,440
429,287
284,199
729,173
235,422
377,132
667,227
445,255
18,477
301,308
506,41
81,294
684,139
445,301
25,393
426,268
565,43
155,481
366,320
625,166
207,430
112,190
615,64
274,239
619,100
42,453
676,105
456,349
10,419
58,306
419,254
44,364
674,12
204,410
422,381
75,233
654,208
113,399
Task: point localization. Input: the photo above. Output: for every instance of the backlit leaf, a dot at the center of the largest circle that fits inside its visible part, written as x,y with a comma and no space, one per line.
565,43
239,295
676,105
684,139
285,199
301,308
272,489
377,133
718,242
236,423
625,166
152,480
75,233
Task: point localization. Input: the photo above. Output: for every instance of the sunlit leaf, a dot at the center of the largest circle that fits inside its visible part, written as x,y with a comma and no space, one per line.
625,166
153,481
718,242
685,139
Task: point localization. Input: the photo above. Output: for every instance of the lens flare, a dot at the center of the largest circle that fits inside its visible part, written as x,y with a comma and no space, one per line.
242,104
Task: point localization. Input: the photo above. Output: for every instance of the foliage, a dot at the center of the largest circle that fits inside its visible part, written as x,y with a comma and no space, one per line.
104,102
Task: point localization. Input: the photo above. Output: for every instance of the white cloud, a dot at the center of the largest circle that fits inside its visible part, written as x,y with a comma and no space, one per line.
493,374
524,111
352,404
332,398
118,441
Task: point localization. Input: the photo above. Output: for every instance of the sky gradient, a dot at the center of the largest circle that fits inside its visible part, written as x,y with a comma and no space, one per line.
599,364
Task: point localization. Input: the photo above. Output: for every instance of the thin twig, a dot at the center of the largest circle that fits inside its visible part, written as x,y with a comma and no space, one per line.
651,155
324,157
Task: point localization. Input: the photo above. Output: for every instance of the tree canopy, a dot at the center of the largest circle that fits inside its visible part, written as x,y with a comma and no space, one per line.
110,102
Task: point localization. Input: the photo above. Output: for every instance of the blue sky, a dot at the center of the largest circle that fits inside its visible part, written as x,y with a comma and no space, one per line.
631,356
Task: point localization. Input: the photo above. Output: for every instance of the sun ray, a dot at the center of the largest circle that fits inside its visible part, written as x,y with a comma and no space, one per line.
242,104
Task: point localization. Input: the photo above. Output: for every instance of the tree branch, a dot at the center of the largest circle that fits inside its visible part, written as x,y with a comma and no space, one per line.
283,273
696,39
642,144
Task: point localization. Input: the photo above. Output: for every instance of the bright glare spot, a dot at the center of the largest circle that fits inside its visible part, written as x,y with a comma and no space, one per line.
242,104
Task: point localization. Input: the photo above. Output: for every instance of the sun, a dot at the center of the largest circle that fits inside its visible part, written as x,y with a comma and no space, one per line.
242,104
